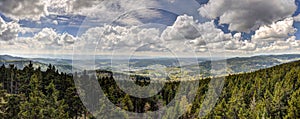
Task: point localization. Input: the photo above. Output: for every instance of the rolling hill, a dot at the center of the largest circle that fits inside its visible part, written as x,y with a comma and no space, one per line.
233,65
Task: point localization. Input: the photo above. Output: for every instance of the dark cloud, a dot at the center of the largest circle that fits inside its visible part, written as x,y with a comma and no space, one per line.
23,9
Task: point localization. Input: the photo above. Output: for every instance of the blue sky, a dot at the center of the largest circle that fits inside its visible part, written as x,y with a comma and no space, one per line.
71,23
297,24
241,27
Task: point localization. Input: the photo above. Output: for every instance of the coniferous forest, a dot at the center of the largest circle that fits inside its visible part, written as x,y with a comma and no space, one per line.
30,93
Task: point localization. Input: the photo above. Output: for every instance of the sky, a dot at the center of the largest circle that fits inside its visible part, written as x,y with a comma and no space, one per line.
149,27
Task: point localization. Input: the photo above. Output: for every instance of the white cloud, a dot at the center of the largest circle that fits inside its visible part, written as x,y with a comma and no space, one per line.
248,46
105,10
277,37
135,17
205,36
23,9
184,28
235,43
297,18
119,39
49,38
45,40
277,31
198,35
29,30
8,30
288,45
246,15
55,22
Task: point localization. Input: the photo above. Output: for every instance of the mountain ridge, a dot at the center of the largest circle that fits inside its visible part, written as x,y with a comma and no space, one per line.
234,65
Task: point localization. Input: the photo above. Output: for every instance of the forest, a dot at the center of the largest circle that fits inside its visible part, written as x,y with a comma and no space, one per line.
30,93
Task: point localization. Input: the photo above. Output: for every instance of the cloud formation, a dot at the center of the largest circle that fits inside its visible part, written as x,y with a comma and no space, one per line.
23,9
277,31
271,21
277,36
183,28
104,10
8,30
200,37
118,38
45,40
246,15
50,38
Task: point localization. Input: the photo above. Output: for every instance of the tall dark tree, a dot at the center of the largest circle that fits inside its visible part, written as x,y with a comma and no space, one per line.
3,102
34,107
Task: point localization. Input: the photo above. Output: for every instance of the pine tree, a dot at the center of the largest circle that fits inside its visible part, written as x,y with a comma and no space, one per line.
220,110
55,108
3,102
75,106
278,108
107,110
294,106
35,106
12,106
126,103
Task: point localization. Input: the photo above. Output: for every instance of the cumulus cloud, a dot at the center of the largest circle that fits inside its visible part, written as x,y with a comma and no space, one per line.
186,31
8,30
198,35
184,28
51,39
205,36
104,10
118,38
235,43
23,9
45,40
277,37
288,45
246,15
277,31
211,34
248,46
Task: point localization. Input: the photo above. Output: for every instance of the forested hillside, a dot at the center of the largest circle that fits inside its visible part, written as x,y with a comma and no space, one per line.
267,93
30,93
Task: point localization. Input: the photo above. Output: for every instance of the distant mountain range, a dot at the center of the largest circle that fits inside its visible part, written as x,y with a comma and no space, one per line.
245,64
233,65
62,65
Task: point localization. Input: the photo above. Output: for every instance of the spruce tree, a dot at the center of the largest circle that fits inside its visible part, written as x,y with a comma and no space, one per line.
35,106
55,108
3,102
294,106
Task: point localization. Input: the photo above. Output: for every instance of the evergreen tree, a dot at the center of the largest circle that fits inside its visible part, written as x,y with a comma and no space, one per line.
34,107
3,102
75,107
294,106
220,111
12,106
126,103
55,108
